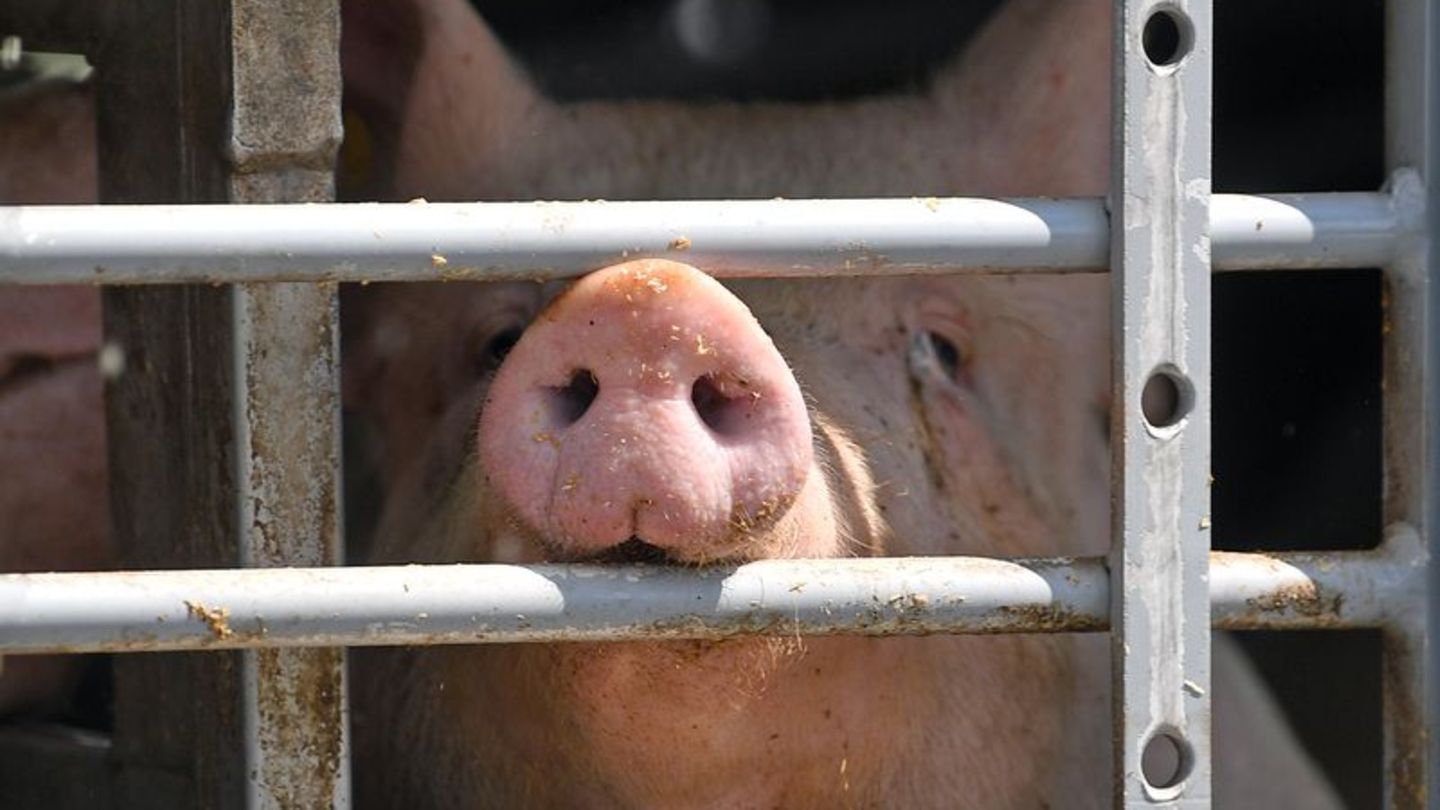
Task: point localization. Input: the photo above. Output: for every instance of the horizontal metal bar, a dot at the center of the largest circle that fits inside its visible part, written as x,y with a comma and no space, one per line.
491,603
493,241
459,604
1319,590
1313,231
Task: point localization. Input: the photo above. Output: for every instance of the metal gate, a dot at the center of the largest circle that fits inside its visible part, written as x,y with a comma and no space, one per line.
246,352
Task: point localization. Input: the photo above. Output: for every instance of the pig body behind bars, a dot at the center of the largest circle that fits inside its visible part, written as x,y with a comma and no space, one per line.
650,414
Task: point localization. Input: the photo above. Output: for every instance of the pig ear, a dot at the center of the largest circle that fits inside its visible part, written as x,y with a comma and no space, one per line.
380,44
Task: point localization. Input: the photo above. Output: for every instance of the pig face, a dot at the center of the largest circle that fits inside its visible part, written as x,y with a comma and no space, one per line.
942,415
959,395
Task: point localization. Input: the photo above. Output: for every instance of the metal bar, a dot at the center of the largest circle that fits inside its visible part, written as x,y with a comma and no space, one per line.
465,604
492,241
1335,590
287,417
282,141
225,421
1427,633
1409,695
503,603
1312,231
1160,422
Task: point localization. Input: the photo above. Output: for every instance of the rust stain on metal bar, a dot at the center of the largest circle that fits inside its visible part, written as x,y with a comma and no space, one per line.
216,618
1304,600
303,709
1294,599
1051,619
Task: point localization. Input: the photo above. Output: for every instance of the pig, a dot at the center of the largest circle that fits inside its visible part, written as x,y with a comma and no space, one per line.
764,419
651,414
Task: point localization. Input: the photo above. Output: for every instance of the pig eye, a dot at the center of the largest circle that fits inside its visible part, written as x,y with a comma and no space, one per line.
947,354
933,352
493,352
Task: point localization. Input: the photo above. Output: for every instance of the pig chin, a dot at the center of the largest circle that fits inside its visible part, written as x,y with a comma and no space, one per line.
631,715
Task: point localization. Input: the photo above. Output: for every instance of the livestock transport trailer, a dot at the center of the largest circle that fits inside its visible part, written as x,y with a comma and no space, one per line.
234,311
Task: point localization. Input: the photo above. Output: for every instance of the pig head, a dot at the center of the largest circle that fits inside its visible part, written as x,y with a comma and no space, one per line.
649,413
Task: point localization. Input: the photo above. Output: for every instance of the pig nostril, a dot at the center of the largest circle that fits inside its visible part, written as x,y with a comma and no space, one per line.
722,413
571,402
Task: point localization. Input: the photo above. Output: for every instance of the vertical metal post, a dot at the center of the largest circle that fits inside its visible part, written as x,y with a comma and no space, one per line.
1160,262
284,131
236,102
1428,635
1411,398
295,712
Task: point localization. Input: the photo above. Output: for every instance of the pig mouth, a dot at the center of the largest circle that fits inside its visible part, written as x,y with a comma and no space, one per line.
636,551
632,551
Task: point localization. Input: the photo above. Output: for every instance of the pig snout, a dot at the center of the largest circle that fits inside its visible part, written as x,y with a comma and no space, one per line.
646,414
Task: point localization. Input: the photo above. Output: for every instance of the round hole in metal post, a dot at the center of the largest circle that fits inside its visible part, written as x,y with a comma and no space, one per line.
1167,36
1166,760
1166,398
